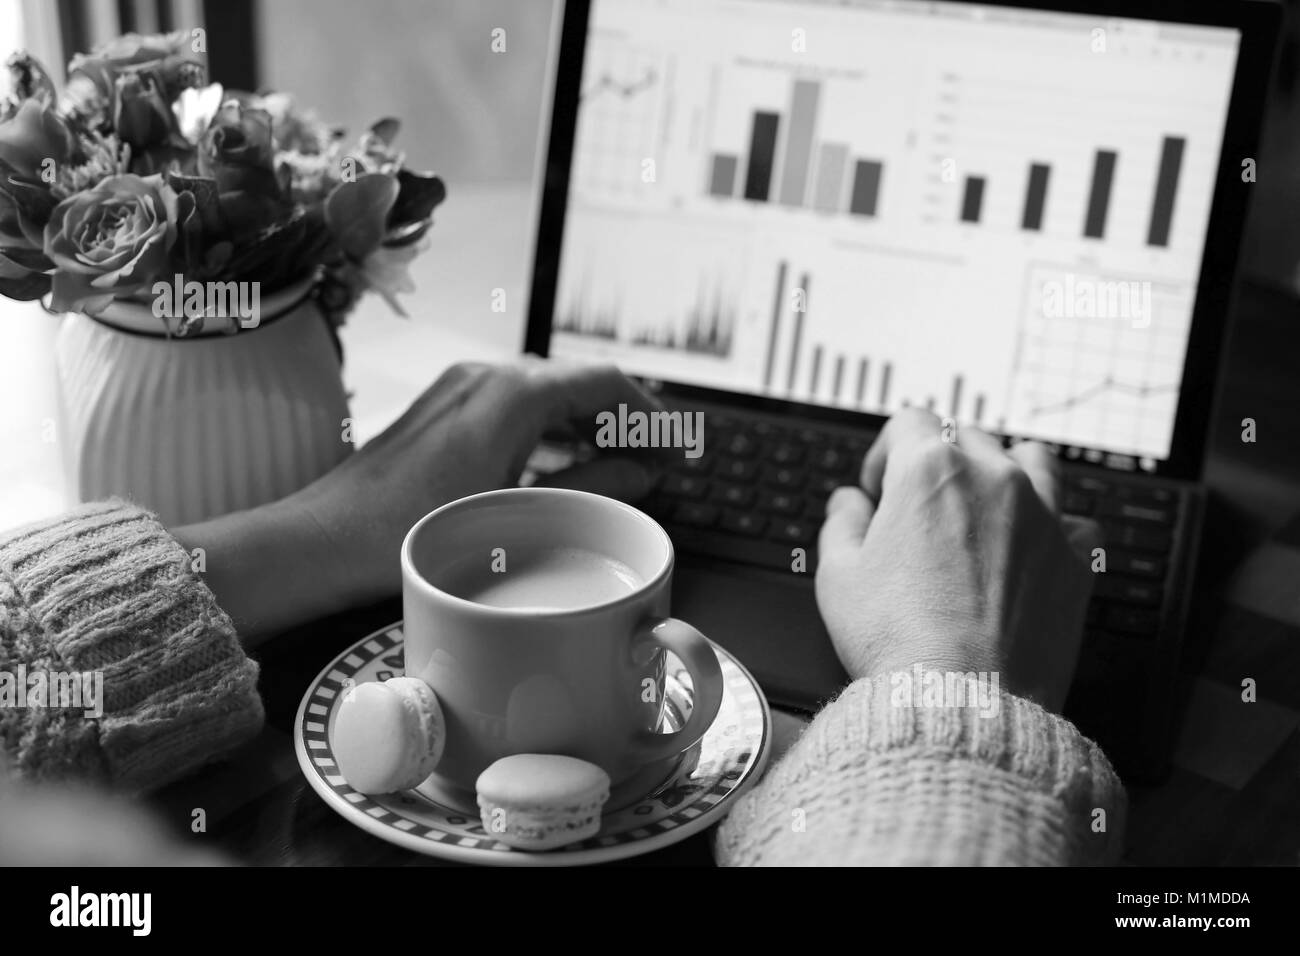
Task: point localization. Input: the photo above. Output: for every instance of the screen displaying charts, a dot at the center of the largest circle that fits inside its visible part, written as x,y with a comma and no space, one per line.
998,214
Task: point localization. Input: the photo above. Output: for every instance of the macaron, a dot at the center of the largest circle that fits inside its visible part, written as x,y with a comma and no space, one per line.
541,801
388,736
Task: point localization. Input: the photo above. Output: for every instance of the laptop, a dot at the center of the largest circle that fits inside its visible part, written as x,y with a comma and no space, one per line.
801,217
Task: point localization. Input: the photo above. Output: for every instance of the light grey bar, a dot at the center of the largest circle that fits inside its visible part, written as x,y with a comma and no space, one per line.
832,158
798,141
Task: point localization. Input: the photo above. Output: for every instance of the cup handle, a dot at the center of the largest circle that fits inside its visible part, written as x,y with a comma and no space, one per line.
697,654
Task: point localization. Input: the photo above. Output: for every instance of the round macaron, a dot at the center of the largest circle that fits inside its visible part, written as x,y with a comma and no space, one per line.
541,801
388,736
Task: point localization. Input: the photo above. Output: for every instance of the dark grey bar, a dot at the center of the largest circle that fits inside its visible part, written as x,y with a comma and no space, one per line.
929,404
862,380
814,378
884,385
979,408
972,199
1103,173
762,148
956,397
1162,208
838,380
798,334
722,181
1035,196
777,302
866,187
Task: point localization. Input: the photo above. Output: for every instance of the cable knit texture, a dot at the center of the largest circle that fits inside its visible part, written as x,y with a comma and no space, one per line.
105,588
871,782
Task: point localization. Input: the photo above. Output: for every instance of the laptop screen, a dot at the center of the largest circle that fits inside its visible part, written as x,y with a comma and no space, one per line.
995,213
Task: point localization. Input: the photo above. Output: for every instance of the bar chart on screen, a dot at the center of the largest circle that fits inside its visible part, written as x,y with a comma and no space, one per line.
850,337
1116,175
868,220
794,140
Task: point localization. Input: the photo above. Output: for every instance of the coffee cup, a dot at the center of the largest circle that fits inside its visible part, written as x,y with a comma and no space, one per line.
539,616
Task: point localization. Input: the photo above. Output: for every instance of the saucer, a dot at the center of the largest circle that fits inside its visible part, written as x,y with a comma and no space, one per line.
688,794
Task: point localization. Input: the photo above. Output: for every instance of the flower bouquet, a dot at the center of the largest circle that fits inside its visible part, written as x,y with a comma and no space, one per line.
158,212
143,175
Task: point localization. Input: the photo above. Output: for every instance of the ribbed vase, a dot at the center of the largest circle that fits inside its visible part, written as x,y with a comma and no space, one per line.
192,428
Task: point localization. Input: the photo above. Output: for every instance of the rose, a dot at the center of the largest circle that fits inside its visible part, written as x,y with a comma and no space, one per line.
142,116
92,78
34,143
236,150
110,241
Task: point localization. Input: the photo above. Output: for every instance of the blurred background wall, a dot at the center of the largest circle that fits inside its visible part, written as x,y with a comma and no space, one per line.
469,113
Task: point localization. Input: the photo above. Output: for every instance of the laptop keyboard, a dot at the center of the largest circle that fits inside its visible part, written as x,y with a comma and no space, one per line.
759,491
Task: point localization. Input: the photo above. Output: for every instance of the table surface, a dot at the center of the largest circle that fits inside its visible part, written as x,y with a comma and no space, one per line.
1232,797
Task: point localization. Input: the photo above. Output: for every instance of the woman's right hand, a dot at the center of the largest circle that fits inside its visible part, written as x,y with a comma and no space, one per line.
335,544
952,554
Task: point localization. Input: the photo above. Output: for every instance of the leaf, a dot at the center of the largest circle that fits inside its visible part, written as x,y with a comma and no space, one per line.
22,260
387,129
418,195
32,286
357,213
203,189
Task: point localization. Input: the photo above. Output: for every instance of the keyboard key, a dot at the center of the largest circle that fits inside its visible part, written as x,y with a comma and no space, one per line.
815,511
1134,511
685,486
1088,484
1150,494
794,532
823,485
1136,537
733,496
785,453
737,469
692,466
769,431
723,423
1077,504
780,503
787,478
696,514
1133,620
831,461
857,447
1136,565
740,445
743,522
1112,587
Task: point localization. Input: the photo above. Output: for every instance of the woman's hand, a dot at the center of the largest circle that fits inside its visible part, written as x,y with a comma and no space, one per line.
336,543
953,555
472,431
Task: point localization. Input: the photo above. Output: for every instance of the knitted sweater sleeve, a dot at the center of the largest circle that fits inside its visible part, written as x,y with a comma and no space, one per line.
103,597
875,782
